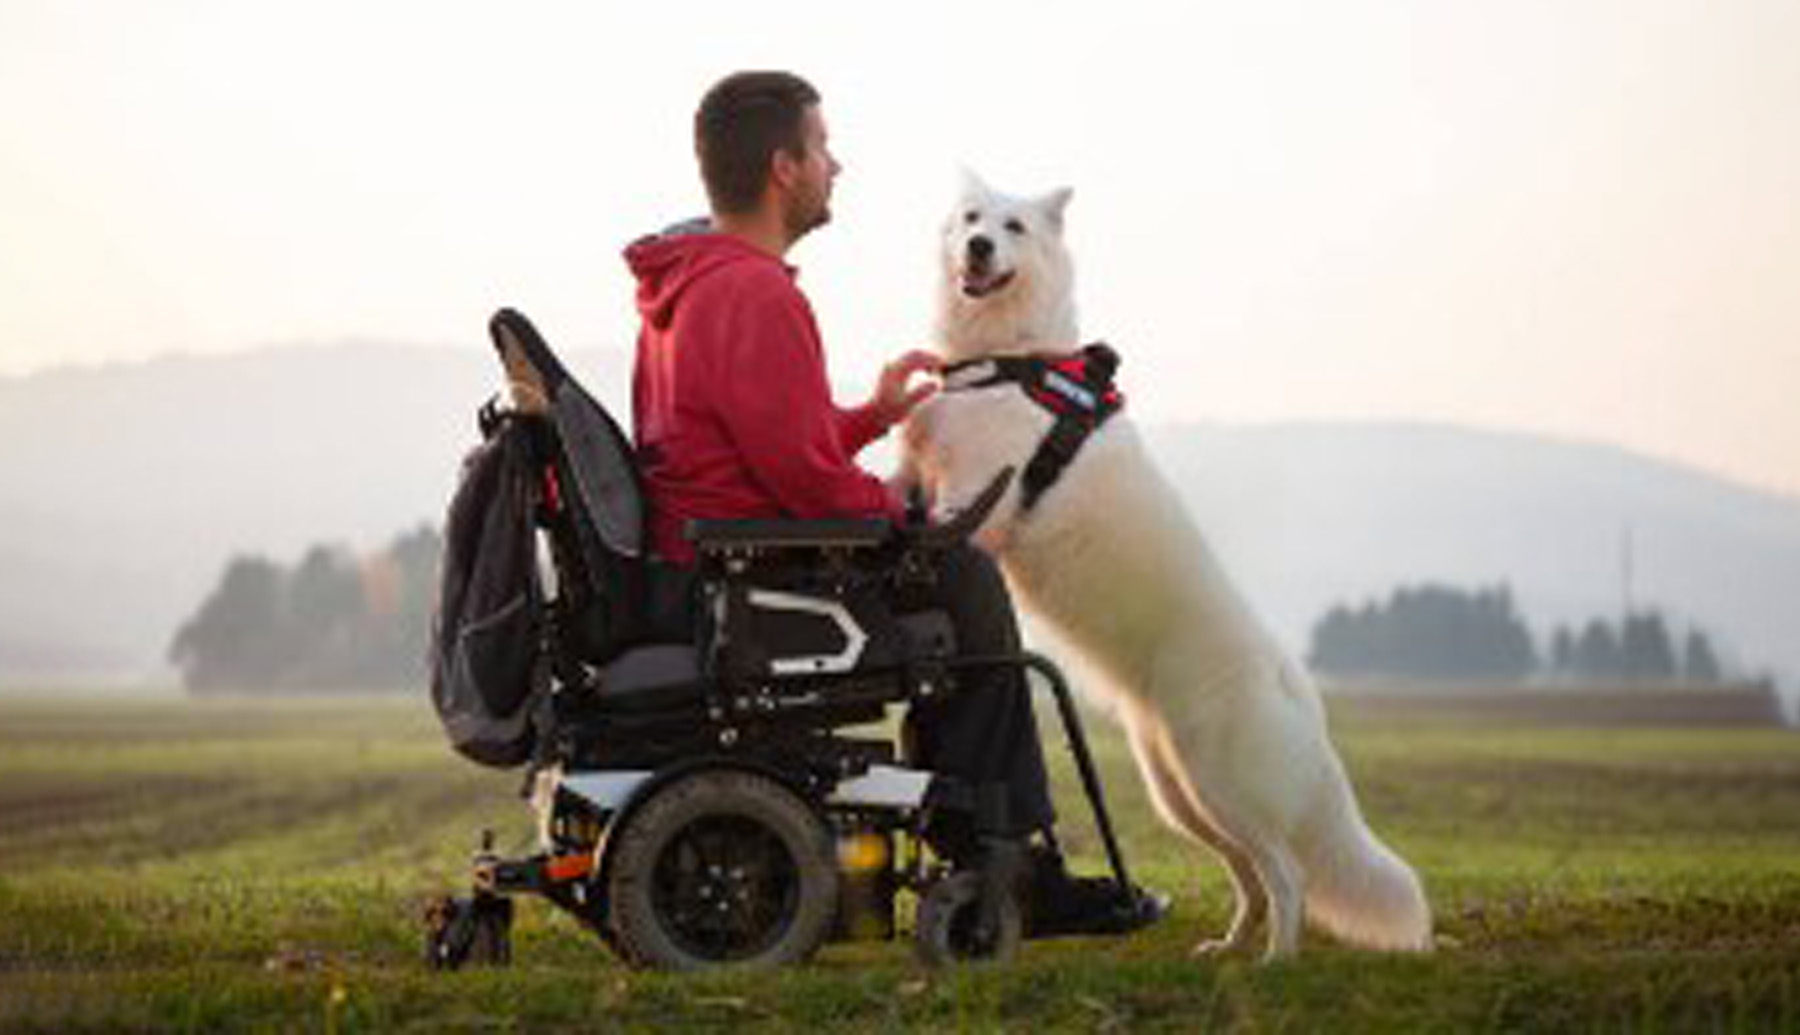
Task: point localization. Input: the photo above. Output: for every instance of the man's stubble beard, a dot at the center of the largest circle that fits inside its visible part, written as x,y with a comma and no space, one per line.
805,217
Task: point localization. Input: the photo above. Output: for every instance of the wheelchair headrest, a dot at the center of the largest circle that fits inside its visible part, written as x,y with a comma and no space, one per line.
533,373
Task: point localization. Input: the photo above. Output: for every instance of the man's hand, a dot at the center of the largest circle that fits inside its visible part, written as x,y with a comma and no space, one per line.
893,400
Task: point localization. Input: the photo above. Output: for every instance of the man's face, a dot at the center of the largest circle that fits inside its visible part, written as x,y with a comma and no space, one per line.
808,205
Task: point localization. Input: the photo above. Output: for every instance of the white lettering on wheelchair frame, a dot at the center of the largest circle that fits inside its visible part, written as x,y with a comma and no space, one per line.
808,664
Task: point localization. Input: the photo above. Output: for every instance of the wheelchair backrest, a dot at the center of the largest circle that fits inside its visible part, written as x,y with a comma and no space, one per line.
591,498
596,454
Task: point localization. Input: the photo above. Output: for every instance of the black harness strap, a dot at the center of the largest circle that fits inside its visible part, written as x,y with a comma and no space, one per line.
1077,390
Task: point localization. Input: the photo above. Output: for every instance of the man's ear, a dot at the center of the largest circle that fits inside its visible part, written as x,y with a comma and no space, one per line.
1053,204
784,168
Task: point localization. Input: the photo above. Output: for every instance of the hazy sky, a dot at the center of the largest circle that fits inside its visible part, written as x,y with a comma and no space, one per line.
1579,217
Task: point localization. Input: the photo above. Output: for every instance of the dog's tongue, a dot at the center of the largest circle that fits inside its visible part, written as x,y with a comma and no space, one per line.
977,285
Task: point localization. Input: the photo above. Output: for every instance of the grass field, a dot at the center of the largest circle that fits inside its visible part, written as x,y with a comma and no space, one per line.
221,866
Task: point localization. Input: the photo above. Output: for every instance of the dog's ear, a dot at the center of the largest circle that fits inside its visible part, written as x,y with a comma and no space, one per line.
1054,204
974,186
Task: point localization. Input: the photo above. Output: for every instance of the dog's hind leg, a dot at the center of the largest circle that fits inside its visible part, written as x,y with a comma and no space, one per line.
1274,879
1270,887
1281,880
1269,879
1176,804
1262,863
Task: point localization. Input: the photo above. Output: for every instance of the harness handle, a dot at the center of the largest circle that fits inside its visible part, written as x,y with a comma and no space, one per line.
958,529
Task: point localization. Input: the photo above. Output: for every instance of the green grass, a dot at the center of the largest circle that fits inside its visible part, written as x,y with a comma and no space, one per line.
225,866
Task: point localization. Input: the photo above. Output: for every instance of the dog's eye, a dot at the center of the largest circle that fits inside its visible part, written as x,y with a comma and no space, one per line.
970,217
1013,226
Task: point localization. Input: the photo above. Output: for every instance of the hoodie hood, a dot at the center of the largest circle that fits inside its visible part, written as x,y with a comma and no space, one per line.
666,263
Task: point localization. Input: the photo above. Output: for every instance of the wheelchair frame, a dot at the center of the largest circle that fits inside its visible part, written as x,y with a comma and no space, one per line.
723,818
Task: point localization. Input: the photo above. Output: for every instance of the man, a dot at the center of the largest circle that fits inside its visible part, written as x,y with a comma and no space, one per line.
734,419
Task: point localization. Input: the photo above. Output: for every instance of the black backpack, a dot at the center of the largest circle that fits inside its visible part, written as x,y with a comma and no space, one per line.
568,468
488,633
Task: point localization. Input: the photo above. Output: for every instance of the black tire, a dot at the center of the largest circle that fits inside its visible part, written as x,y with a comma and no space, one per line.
721,868
946,922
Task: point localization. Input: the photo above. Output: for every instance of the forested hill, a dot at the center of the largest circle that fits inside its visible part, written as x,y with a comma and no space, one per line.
124,491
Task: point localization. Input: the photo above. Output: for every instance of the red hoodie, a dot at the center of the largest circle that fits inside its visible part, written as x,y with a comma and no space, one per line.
732,408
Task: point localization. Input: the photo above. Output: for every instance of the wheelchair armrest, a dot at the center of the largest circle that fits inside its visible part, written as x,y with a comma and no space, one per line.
717,535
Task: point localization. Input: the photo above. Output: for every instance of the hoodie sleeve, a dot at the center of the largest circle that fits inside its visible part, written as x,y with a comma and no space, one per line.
858,427
775,400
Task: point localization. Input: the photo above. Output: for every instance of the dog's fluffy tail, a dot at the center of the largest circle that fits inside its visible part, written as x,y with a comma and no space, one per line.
1356,887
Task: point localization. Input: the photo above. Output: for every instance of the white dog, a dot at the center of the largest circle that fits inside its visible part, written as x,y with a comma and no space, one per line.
1229,734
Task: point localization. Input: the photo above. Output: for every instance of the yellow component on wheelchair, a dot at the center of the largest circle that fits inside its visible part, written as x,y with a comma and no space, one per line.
861,852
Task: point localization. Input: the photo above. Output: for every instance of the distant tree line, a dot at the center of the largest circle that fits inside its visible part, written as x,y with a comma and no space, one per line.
1637,650
335,621
1427,632
1434,632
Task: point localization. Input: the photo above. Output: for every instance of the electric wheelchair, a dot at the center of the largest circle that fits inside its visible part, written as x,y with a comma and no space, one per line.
709,787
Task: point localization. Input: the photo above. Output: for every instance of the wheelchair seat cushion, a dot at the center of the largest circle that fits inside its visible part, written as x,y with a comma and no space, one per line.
652,677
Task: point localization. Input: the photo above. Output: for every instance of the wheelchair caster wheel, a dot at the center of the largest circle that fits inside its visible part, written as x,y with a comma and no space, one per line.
477,930
949,924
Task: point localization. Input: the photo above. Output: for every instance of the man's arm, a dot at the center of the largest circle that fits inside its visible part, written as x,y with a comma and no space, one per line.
775,402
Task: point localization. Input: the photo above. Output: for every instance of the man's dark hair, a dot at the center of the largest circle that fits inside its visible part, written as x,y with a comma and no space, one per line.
743,120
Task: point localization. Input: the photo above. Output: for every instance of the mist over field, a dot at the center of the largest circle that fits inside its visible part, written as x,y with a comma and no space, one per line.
125,490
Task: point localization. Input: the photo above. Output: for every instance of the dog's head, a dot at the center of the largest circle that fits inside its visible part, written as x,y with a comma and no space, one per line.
1007,278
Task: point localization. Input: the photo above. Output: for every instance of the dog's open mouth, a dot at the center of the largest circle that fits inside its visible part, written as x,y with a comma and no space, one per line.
981,285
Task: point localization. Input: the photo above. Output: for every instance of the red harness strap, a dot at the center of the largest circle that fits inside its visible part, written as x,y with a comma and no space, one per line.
1077,389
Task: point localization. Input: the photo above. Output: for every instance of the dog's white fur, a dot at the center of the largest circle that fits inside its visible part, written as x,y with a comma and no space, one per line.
1229,734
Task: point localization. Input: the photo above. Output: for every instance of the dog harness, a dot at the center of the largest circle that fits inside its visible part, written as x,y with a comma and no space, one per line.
1077,390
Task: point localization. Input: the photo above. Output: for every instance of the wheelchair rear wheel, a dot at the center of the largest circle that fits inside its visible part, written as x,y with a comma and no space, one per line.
721,868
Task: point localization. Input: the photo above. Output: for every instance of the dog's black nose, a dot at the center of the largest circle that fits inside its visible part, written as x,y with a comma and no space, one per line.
981,248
